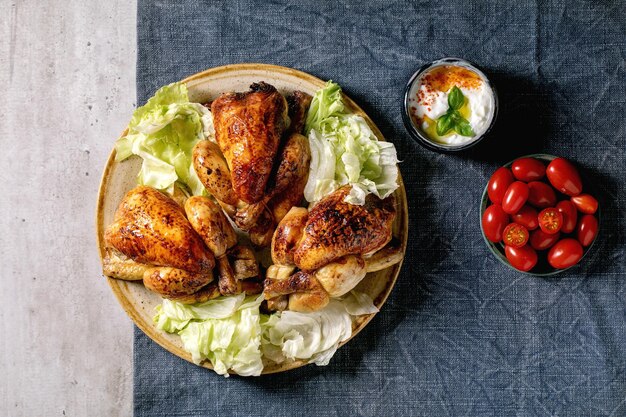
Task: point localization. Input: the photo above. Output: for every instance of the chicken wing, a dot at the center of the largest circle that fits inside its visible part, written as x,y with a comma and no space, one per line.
248,129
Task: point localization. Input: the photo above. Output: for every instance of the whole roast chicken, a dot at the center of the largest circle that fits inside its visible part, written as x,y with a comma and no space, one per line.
174,249
332,247
259,166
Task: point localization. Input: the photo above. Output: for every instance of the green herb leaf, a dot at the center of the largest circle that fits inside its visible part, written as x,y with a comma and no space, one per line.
456,99
444,124
463,128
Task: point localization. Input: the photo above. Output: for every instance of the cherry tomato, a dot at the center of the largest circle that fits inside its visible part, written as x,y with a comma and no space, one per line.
541,195
515,197
498,184
528,169
523,259
585,203
540,240
494,221
550,220
570,215
565,253
527,217
564,177
587,230
515,235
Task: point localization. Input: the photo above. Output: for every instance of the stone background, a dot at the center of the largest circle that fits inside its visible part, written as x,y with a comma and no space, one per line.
67,71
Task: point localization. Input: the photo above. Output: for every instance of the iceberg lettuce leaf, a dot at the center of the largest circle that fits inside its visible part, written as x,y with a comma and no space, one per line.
163,133
345,150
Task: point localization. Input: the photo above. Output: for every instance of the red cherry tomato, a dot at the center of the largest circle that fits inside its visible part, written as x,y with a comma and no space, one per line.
550,220
494,221
527,217
587,230
570,215
564,177
515,235
498,184
541,195
540,240
565,253
528,169
515,197
585,203
523,259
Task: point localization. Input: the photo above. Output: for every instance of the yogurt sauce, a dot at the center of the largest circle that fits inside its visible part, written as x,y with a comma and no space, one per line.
429,100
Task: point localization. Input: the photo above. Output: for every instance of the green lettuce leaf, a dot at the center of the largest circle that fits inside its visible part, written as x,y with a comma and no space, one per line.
226,331
344,150
163,133
232,334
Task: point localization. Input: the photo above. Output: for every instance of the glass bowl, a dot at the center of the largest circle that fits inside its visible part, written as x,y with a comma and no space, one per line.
416,132
543,268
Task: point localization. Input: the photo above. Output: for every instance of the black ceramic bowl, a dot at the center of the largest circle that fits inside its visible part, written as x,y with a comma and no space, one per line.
543,268
417,133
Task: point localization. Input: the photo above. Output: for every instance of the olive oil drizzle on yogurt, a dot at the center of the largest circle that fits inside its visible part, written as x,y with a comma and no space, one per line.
429,102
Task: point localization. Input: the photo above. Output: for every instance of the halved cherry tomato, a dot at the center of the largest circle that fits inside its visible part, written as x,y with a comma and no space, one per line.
523,259
565,253
541,195
570,215
528,169
564,177
540,240
587,230
515,197
550,220
585,203
527,217
515,235
498,184
494,221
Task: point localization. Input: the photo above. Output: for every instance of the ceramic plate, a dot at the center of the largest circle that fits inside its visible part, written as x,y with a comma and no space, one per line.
120,177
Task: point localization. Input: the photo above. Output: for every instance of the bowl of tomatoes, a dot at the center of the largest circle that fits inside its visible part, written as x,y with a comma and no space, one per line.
539,215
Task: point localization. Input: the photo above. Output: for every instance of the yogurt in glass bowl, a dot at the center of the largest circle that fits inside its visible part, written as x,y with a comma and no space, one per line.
449,105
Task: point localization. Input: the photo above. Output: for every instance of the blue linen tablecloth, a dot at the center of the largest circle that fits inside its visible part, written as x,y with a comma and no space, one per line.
461,334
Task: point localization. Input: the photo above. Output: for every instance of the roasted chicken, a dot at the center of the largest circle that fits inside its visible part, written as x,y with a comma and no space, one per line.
254,174
248,130
173,250
333,246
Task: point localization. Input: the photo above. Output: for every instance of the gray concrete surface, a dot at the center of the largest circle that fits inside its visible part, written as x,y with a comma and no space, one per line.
67,72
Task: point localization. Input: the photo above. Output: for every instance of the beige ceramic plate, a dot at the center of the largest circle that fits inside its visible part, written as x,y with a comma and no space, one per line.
119,177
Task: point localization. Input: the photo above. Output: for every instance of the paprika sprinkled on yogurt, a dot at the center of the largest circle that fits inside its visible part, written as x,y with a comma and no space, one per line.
451,103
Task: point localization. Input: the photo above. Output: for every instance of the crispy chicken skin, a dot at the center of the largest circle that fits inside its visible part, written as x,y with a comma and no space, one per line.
248,129
333,245
213,171
175,282
291,176
287,235
234,263
335,228
211,224
150,228
298,105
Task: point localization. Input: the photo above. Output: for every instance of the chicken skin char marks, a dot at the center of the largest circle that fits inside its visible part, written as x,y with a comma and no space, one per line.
174,249
259,166
330,248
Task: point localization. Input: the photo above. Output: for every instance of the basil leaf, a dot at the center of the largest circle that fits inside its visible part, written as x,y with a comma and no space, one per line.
444,124
463,128
456,99
455,116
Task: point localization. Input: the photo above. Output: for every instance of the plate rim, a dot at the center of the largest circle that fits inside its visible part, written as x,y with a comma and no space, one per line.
151,331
